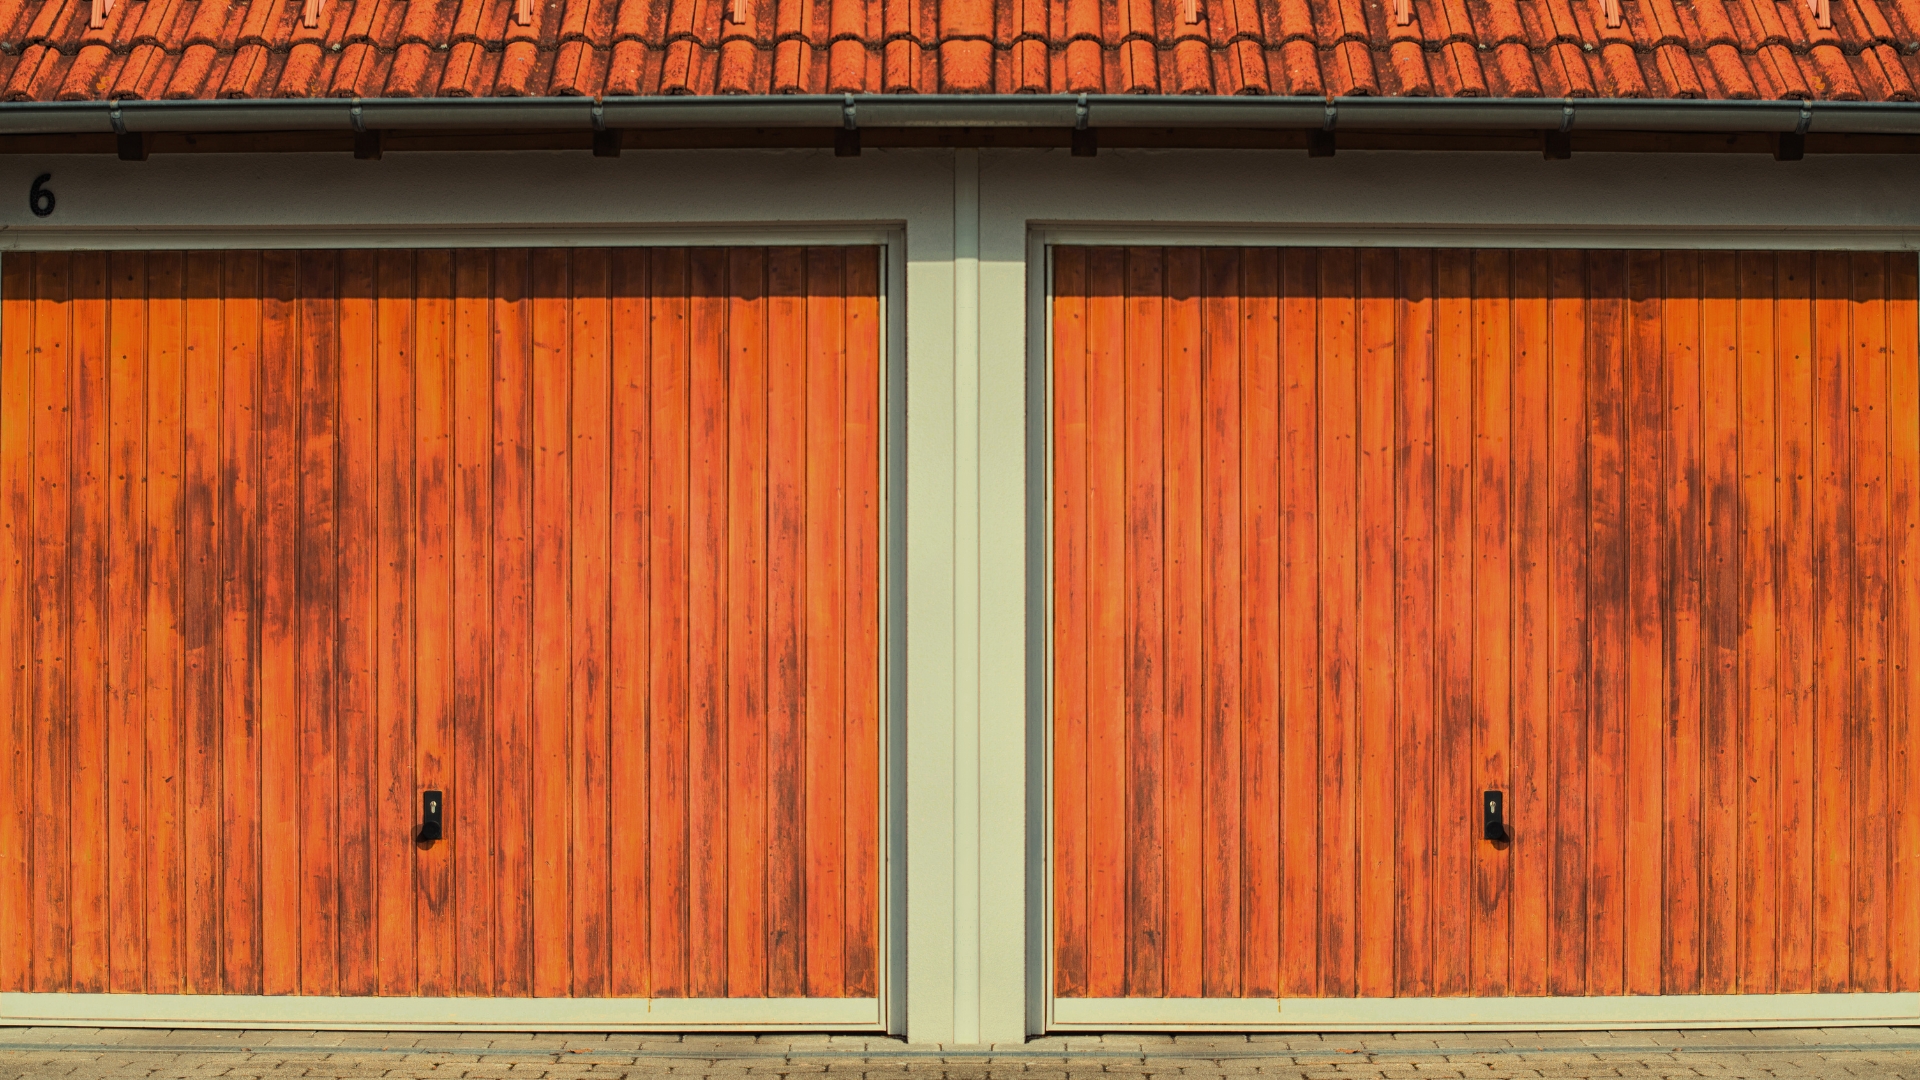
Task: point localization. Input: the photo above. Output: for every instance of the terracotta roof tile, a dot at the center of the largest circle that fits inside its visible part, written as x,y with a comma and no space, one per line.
412,48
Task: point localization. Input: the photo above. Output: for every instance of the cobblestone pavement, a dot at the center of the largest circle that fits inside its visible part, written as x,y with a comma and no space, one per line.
85,1054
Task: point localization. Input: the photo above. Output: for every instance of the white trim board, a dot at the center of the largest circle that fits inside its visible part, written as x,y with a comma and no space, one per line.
440,1013
1488,1013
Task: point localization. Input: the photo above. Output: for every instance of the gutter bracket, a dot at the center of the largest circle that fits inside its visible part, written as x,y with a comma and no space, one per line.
1558,145
131,145
605,143
1792,146
846,141
1086,143
1320,143
366,144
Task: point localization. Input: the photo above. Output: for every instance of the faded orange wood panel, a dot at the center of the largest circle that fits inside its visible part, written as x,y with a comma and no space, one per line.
1298,619
1793,605
273,520
708,521
863,371
200,619
746,429
1070,621
396,559
1527,800
1181,379
521,327
1455,802
1376,753
1648,574
357,884
126,743
786,618
1413,719
587,296
1645,421
1259,629
16,529
1685,515
1759,857
1221,716
629,288
1903,635
1492,397
1872,855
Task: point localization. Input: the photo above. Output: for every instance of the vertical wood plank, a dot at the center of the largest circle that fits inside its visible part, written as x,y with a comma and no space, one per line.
1832,623
87,633
280,470
1300,613
628,666
786,619
1607,628
1456,802
240,628
707,636
17,794
126,913
165,882
48,609
1758,933
471,625
1903,634
1375,746
1144,679
1221,793
1182,432
863,374
549,444
357,550
1260,621
1492,607
434,285
1567,655
1528,800
395,559
1872,855
317,619
1720,619
1106,607
1071,630
526,589
668,781
1339,617
1795,658
746,375
1645,420
1684,513
1414,655
593,807
200,620
825,718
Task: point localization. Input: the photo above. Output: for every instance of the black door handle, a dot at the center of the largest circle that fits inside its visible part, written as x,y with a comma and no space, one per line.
1493,808
432,805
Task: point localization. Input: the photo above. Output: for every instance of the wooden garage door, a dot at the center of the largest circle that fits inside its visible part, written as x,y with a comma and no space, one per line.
1342,538
588,539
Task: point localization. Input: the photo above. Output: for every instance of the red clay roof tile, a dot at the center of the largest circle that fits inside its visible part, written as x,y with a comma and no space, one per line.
410,48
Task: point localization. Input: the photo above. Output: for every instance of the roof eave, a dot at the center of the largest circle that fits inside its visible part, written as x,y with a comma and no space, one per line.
959,111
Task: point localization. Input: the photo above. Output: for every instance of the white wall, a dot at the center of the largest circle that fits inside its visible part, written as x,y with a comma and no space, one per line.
971,221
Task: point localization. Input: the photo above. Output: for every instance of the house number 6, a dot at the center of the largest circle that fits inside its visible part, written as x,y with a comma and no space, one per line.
39,199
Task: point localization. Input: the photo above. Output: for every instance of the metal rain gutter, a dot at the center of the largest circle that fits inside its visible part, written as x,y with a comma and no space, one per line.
956,111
